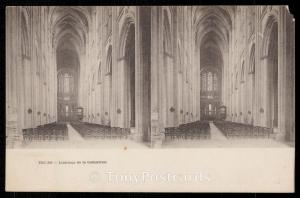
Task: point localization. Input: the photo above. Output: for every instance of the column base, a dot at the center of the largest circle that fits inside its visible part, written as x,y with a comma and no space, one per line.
279,135
157,140
135,136
13,142
13,137
156,143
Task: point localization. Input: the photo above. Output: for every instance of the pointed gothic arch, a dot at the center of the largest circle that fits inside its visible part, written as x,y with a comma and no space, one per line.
99,80
271,50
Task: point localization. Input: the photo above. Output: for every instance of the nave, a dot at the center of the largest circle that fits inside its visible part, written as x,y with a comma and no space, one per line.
77,140
84,135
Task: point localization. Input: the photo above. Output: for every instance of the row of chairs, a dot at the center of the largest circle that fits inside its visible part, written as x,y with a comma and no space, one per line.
47,132
194,130
89,130
239,130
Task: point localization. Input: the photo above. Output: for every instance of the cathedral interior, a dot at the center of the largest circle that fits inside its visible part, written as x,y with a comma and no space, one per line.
149,75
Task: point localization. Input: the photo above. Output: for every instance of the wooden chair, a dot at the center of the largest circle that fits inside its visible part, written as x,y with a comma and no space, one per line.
26,134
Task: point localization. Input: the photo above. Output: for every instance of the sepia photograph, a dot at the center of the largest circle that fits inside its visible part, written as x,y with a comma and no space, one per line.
149,79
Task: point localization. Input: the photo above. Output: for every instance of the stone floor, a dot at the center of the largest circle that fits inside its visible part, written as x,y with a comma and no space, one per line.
76,141
237,143
218,140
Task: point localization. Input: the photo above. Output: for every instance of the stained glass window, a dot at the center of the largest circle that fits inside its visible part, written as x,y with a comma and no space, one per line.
109,61
242,73
65,83
99,73
215,82
252,61
209,81
204,81
60,83
93,85
236,81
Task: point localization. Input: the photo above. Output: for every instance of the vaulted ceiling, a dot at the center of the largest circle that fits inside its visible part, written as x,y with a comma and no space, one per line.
212,27
69,27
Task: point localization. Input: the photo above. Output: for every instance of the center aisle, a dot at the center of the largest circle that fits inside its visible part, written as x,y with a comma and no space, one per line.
216,134
73,134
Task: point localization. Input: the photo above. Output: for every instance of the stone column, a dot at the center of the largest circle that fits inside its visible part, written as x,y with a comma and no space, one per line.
139,73
157,124
13,133
259,74
115,45
121,93
258,39
281,73
197,76
290,78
